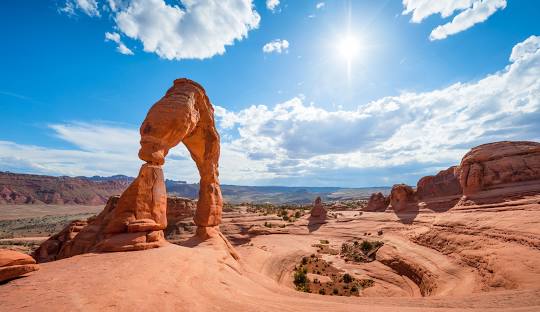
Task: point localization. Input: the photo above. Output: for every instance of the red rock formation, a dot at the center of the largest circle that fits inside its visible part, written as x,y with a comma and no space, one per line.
445,183
318,211
497,163
178,209
56,246
377,202
14,264
49,249
400,196
186,115
137,219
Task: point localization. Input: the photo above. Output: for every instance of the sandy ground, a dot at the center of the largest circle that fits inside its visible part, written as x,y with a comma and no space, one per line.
12,212
483,257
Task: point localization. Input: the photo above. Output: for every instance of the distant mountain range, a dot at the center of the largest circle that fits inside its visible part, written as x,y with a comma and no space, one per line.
16,188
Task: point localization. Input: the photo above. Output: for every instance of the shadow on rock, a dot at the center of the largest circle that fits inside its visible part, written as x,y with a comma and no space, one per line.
314,224
408,215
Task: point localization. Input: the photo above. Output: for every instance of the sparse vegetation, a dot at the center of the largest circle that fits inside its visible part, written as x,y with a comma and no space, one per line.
360,251
338,284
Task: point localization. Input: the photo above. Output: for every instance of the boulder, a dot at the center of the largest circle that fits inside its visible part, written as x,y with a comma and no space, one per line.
377,202
445,183
400,196
489,165
14,264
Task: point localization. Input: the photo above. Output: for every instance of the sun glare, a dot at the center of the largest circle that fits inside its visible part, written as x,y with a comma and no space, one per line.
347,51
348,47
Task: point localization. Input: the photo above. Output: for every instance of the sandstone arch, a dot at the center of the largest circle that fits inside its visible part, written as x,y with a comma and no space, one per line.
185,115
137,219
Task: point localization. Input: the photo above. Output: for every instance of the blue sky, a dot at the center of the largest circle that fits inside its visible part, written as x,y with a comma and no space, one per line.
427,81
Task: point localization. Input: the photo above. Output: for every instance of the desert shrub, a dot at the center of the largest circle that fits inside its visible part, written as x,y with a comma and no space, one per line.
347,278
324,241
354,289
365,283
297,214
365,246
335,291
322,292
300,279
285,218
305,260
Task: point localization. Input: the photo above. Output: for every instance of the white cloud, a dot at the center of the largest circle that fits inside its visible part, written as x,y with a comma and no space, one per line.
277,46
432,128
320,5
272,5
191,29
396,139
89,7
471,13
115,37
525,49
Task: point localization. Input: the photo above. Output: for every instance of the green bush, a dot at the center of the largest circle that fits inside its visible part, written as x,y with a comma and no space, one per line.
347,278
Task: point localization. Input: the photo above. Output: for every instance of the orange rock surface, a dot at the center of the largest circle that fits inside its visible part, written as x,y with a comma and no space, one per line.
445,183
14,264
377,202
318,210
497,163
137,219
400,196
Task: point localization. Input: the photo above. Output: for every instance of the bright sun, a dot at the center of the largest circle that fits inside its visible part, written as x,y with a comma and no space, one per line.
348,47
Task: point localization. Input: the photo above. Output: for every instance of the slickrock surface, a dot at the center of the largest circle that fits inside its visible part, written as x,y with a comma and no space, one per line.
377,202
492,164
445,183
470,258
401,196
14,264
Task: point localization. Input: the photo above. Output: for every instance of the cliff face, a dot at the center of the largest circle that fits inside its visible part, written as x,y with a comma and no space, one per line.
445,183
37,189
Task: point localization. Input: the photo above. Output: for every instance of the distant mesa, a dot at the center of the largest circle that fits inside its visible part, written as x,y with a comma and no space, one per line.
14,264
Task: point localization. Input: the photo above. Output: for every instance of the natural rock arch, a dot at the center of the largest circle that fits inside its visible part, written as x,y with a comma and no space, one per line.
185,115
137,219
